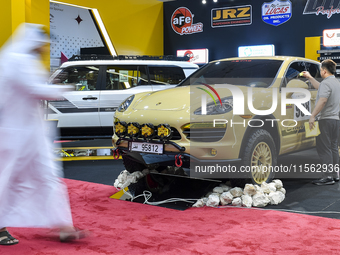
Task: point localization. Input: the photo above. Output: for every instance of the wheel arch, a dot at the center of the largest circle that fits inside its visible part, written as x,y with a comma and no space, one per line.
272,130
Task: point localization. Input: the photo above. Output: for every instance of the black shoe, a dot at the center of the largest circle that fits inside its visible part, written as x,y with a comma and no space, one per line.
324,181
336,179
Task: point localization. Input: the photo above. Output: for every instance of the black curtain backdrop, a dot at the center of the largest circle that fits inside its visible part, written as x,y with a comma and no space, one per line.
223,42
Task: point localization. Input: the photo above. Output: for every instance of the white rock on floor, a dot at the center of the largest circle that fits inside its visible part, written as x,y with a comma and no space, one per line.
236,192
247,201
272,187
267,188
199,203
237,201
260,200
116,183
218,190
278,184
283,190
226,198
225,187
122,177
125,179
213,200
251,195
249,189
276,197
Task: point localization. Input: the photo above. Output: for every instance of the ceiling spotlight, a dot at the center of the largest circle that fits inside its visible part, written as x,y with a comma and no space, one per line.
204,1
215,1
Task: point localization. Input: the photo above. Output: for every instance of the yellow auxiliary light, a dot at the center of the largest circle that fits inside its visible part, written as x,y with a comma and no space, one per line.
133,129
147,130
164,131
187,126
213,152
120,128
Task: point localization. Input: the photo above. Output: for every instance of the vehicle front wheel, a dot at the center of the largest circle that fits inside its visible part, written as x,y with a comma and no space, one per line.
260,155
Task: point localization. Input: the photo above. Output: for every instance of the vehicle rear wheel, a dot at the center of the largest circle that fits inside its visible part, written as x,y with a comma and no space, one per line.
131,165
260,155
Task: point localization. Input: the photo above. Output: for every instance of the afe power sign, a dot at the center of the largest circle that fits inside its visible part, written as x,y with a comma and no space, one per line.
231,16
182,22
277,12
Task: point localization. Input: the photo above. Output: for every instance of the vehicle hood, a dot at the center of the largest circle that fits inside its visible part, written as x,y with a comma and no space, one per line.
184,97
174,99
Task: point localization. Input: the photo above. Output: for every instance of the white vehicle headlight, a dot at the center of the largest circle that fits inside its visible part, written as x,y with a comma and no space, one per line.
215,109
126,103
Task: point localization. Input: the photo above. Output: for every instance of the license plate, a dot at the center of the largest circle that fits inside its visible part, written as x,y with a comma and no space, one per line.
147,147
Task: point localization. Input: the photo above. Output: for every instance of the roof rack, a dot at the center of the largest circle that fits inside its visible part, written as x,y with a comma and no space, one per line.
128,57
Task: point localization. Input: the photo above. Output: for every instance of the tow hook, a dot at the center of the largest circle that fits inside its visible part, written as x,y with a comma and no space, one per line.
178,160
116,154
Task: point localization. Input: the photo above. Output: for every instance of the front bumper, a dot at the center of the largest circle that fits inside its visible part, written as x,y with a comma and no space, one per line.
173,155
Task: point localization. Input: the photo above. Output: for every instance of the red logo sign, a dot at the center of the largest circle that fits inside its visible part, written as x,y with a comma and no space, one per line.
189,54
182,22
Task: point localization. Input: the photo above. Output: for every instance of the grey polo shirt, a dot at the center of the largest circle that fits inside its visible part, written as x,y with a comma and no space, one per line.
329,88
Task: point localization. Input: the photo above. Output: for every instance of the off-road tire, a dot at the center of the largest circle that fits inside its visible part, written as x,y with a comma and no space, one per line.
260,151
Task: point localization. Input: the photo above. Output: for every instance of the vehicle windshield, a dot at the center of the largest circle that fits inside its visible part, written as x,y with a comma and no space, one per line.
242,72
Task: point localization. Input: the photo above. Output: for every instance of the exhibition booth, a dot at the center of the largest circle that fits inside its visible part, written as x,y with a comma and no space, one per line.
186,131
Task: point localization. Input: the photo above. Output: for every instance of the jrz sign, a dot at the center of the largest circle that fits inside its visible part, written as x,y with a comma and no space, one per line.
231,16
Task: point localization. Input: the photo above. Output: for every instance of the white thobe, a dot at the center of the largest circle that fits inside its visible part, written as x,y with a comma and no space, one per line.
31,191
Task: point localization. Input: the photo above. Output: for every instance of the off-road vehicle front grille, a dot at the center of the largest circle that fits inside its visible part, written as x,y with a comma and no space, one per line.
205,135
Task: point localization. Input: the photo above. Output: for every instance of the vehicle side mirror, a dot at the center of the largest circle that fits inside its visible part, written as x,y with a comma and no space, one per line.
296,83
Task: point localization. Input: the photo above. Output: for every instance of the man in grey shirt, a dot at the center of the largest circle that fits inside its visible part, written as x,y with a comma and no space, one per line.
326,111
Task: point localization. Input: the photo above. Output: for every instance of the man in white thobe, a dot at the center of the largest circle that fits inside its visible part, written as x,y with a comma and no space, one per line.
31,191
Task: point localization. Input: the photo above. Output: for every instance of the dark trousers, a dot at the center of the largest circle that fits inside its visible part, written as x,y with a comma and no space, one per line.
327,146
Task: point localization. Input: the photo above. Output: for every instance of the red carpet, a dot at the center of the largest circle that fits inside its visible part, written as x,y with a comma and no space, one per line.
120,227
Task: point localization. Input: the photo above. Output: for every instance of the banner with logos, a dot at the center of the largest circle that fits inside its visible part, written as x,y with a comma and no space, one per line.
256,50
231,16
197,56
331,37
182,22
71,29
276,12
327,8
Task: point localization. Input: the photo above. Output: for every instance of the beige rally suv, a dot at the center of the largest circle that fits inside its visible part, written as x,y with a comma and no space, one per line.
231,118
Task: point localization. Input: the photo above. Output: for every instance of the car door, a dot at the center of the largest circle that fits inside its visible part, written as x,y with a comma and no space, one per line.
293,138
120,82
79,109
